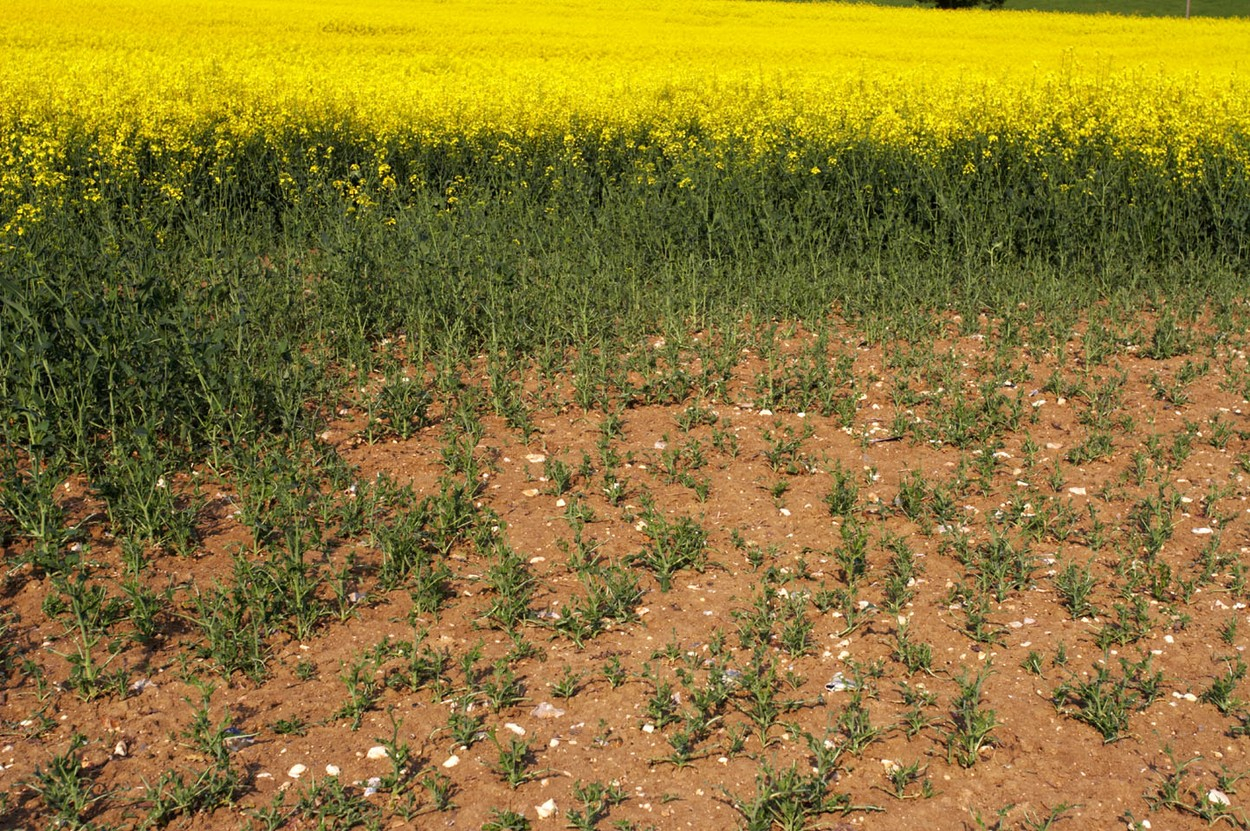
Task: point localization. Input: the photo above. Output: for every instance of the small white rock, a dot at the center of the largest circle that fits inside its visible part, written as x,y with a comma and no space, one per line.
377,752
297,771
648,728
1077,491
1217,797
546,709
535,458
546,809
332,770
452,761
515,728
1203,531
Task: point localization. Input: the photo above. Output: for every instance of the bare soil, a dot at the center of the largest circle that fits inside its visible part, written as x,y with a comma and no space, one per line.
1038,759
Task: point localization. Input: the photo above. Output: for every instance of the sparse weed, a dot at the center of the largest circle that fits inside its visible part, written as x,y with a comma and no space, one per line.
971,724
67,787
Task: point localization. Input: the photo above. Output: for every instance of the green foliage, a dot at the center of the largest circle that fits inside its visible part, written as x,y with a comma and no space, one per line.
676,544
962,4
66,786
1106,701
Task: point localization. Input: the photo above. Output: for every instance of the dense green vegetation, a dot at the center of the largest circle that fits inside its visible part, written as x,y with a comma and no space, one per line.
132,320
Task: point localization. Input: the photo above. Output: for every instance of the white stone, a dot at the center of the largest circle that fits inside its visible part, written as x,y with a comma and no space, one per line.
452,761
332,770
545,810
297,771
377,752
546,709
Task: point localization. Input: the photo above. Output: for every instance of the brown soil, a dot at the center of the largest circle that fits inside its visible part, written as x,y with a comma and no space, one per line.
1039,756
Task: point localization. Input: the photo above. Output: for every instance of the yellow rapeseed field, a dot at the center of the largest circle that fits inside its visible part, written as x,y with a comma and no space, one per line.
168,90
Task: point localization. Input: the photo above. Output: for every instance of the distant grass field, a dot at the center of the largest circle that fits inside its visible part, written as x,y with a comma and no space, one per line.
1147,8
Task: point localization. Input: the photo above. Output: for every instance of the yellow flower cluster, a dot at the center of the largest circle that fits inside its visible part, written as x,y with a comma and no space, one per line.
173,89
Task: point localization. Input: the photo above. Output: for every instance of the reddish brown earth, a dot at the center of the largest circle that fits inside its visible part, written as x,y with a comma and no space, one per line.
1038,758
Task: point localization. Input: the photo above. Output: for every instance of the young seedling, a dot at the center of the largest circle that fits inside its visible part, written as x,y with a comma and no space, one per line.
856,727
1105,702
1173,793
917,699
91,614
842,499
1220,693
441,789
1032,663
463,724
915,656
362,691
513,761
675,545
795,636
661,707
331,804
506,820
568,684
1074,584
503,689
559,476
614,672
1043,822
1228,632
903,777
971,724
67,787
